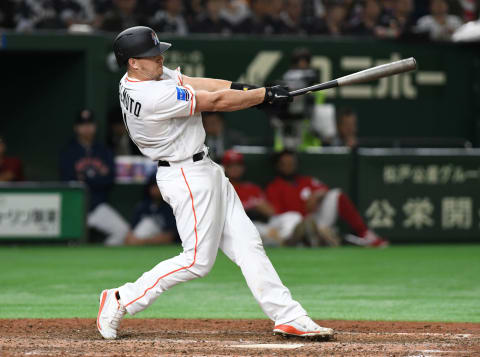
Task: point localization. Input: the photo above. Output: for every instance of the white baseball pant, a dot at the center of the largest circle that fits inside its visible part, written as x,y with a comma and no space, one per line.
147,228
108,221
209,216
284,224
327,211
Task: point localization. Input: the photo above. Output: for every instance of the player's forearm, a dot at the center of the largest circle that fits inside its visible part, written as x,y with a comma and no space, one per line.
314,200
207,84
229,100
265,208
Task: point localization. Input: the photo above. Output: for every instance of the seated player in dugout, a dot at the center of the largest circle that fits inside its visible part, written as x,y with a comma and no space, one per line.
320,205
274,229
87,160
153,220
11,168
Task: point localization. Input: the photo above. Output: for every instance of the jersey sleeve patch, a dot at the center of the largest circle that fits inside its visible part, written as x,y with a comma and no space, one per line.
183,94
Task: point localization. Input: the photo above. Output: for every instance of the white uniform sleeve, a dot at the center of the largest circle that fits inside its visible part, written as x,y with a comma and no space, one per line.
176,75
175,101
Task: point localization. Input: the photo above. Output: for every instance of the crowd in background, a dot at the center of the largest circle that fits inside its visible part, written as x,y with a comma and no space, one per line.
434,19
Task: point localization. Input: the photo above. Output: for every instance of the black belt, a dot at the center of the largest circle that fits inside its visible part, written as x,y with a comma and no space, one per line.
197,157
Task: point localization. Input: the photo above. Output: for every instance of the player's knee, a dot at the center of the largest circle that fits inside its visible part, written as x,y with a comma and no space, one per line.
201,268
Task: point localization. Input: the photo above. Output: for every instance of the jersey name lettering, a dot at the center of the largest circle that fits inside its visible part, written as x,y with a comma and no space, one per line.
130,104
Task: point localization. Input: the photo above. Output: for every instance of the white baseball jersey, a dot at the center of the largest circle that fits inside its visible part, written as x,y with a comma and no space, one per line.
209,215
160,116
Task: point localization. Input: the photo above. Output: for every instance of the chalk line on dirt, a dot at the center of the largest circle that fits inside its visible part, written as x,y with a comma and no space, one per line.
283,346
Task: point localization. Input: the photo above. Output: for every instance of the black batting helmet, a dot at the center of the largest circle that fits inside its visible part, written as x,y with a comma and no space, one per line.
138,42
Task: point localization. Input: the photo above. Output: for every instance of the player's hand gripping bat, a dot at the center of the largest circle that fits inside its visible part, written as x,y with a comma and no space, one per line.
366,75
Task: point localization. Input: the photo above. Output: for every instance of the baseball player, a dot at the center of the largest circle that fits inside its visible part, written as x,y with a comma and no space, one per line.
153,220
85,159
162,111
290,191
274,229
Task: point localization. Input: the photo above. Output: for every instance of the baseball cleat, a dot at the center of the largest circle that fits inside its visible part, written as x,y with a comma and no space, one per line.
110,314
369,240
303,326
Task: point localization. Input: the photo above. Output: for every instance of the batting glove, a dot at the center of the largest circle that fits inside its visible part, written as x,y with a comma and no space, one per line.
277,95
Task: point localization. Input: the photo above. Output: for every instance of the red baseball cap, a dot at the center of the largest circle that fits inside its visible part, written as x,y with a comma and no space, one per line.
232,157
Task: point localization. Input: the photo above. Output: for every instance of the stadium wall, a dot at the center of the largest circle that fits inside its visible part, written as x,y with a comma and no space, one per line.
69,72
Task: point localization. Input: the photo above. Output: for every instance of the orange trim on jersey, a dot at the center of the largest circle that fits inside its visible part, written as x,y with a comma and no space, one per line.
191,101
102,303
195,251
133,81
179,76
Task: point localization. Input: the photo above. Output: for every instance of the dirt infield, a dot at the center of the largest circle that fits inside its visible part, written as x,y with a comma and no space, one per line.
162,337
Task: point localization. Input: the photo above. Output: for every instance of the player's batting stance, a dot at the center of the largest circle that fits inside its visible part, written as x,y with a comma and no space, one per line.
161,109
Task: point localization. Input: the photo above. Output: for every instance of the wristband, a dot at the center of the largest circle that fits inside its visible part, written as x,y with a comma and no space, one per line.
242,86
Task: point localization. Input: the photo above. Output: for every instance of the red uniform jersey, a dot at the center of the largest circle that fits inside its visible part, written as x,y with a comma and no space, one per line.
249,193
292,195
13,165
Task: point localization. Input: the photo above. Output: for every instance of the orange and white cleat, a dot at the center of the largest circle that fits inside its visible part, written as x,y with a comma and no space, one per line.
110,314
303,326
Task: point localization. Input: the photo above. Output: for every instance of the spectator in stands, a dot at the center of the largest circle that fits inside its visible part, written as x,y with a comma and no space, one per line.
7,11
440,25
192,10
259,21
49,14
218,138
121,15
153,220
11,168
292,18
290,191
86,160
346,128
398,21
235,11
211,20
315,8
170,20
334,22
368,23
275,9
388,6
274,229
470,9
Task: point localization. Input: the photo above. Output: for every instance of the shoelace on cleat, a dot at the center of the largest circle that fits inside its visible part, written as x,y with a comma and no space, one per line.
117,317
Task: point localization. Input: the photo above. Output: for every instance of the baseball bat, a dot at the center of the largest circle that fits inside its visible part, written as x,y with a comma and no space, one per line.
367,75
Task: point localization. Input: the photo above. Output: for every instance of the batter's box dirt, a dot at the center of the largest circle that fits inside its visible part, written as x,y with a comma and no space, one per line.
174,337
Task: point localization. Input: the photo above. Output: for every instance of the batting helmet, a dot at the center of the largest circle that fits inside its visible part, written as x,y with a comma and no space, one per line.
232,157
137,42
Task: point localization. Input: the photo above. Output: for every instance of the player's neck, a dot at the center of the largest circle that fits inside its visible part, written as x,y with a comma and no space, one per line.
288,177
137,76
86,143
